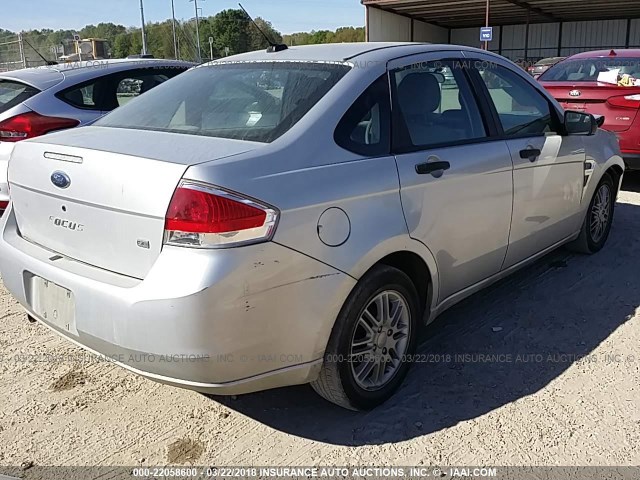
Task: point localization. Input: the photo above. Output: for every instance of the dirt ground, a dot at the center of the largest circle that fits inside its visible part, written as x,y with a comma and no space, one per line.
562,387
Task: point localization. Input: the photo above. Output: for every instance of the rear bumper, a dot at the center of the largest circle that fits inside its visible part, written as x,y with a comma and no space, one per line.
219,321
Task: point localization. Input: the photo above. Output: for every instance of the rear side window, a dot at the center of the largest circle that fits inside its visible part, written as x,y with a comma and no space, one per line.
257,101
85,96
366,127
112,91
12,93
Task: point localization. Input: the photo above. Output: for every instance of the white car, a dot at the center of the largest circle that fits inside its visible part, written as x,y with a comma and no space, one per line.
35,101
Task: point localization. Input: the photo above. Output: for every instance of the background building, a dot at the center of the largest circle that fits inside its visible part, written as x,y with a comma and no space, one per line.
523,29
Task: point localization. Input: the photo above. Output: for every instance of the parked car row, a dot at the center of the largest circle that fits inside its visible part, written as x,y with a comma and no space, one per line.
281,217
543,65
605,83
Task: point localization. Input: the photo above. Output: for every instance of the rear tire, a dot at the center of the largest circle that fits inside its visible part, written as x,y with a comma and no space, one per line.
597,224
377,328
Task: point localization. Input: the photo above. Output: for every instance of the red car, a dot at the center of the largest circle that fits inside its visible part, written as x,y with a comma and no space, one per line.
604,83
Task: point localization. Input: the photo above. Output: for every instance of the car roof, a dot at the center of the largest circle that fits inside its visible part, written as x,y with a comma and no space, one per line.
40,78
341,52
46,77
546,61
628,52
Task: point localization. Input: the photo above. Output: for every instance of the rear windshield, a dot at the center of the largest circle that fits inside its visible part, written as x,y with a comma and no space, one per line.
246,101
12,93
592,70
547,61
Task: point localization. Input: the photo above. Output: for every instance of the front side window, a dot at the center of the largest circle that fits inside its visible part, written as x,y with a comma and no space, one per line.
523,111
434,105
134,85
256,101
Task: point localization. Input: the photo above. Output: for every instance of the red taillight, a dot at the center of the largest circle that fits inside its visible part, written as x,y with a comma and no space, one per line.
205,216
625,101
4,204
32,124
199,212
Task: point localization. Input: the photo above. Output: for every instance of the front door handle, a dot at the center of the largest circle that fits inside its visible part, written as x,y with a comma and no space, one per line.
431,167
530,153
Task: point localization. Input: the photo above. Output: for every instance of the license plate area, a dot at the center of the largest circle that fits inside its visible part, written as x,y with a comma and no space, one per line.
52,303
581,107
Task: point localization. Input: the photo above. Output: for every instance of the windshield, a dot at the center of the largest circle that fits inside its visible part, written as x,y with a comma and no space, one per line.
592,70
547,61
256,101
12,93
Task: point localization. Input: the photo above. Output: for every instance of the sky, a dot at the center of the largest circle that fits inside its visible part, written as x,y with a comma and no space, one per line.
287,16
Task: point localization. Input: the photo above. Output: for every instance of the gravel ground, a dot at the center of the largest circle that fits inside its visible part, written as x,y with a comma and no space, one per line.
563,387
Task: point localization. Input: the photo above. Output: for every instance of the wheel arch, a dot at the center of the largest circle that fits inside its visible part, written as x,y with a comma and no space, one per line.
416,269
616,172
414,259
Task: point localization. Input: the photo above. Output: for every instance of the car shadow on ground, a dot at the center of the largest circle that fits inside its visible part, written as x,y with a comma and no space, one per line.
631,182
565,304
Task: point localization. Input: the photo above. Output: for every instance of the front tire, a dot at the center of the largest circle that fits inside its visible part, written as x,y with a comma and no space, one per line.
377,328
597,224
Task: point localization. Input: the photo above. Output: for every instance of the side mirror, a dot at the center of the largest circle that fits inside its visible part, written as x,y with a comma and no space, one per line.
599,120
579,123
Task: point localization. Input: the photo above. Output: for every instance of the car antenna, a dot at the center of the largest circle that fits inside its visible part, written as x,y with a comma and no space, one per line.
47,62
273,47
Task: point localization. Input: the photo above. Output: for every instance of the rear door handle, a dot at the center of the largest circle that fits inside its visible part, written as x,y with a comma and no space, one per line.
530,153
431,167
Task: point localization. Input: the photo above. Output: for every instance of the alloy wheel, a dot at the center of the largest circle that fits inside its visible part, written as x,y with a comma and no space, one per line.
380,340
600,213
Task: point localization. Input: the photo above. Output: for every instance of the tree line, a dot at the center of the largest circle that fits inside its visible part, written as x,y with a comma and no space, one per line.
231,30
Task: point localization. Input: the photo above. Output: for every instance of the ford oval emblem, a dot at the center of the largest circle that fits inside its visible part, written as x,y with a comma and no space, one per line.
60,179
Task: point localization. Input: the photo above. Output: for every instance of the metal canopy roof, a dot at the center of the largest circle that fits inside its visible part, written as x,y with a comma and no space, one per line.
471,13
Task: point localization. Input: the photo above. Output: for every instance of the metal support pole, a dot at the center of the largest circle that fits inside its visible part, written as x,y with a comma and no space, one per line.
366,24
560,39
144,33
173,25
199,54
526,38
23,57
486,24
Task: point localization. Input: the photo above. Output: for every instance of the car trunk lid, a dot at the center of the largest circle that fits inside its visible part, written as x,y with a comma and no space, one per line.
100,205
594,97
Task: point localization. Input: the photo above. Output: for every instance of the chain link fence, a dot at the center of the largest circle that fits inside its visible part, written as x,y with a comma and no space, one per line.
17,52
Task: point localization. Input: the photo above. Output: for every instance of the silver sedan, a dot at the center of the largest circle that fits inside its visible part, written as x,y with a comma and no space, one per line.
296,216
